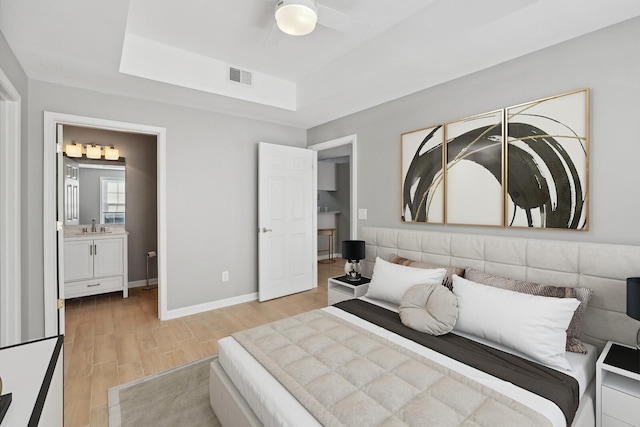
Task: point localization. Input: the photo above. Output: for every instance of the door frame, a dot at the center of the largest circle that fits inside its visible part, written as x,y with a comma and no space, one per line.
10,227
353,140
54,264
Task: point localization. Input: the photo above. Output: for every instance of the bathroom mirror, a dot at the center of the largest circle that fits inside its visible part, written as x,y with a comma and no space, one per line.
94,189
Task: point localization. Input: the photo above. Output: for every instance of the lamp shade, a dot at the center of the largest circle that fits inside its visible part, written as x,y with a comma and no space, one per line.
111,153
353,249
73,150
94,151
633,297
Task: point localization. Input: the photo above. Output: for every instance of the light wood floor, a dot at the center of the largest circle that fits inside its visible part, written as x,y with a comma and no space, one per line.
110,340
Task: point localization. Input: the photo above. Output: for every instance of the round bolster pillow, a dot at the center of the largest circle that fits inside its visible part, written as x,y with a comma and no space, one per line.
429,308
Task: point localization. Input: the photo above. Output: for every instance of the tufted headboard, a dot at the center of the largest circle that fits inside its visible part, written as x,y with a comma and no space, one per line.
601,267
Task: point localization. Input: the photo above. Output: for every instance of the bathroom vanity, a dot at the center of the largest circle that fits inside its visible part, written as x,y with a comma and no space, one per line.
95,263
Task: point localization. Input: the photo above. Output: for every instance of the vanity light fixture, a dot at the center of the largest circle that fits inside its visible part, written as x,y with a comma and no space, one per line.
111,153
73,150
93,151
296,17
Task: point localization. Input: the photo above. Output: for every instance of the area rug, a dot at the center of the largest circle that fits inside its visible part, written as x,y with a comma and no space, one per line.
175,397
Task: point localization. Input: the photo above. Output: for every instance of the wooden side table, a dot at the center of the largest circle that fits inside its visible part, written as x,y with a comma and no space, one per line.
330,232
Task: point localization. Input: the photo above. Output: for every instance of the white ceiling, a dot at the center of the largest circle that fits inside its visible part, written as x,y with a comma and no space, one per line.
177,51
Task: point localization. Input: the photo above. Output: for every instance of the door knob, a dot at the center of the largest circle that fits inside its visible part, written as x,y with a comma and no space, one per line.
265,230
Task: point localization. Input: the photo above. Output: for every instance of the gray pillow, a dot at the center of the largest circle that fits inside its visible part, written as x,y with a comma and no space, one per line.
581,294
429,308
448,278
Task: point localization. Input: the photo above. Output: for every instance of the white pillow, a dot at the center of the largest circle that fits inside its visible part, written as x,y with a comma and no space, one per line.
531,324
390,281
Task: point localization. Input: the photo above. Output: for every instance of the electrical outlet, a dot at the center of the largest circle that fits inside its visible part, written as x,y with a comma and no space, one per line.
225,276
362,214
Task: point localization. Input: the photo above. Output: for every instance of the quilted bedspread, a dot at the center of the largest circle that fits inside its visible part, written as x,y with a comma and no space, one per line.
347,376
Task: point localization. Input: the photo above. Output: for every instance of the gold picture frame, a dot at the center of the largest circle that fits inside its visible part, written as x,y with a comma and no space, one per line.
523,166
475,170
547,162
422,175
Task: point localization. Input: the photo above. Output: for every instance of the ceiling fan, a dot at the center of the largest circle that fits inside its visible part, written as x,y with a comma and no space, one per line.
299,17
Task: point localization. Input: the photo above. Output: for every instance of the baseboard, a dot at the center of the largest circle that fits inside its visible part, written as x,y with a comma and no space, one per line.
142,283
199,308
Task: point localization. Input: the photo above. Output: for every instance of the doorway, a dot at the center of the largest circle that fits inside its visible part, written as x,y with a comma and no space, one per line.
53,233
342,152
117,193
10,274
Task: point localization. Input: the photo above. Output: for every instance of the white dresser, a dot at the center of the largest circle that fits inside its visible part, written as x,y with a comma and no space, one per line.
618,387
32,376
95,263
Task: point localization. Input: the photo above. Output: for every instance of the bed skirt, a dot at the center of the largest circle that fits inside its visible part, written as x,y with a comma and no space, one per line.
227,402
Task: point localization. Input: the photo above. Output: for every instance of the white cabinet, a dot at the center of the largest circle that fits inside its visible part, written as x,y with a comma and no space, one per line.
327,176
341,289
618,387
95,265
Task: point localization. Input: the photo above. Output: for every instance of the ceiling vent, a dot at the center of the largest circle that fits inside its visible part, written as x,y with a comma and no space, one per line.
240,76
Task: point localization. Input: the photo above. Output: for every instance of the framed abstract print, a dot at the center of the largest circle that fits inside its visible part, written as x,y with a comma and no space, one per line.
474,178
422,175
547,162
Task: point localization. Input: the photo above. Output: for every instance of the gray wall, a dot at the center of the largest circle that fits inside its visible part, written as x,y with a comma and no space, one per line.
141,217
211,191
13,70
606,61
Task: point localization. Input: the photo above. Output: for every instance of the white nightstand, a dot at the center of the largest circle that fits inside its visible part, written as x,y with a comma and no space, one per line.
340,289
618,387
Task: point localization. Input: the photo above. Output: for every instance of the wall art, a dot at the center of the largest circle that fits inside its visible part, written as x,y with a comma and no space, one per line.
474,170
422,175
547,162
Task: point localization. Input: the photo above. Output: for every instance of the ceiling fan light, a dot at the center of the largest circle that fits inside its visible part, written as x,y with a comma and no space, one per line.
296,18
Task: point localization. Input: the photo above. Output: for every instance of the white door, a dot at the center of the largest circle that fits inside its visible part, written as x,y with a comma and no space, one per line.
286,222
60,222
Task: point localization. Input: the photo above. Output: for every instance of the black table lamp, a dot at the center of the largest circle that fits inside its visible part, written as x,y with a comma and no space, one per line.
353,252
633,302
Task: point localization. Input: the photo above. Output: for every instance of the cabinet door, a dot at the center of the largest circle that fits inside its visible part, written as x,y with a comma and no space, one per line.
608,421
108,257
78,260
327,176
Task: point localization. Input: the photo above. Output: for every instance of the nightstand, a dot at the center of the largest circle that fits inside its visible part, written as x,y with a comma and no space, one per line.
618,386
340,288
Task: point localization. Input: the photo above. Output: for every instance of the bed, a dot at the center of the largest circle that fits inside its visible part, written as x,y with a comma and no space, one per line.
243,392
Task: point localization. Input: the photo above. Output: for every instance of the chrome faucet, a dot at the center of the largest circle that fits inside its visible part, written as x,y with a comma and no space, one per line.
93,225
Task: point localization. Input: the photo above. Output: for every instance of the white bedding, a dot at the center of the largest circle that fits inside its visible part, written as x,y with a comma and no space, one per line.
274,406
